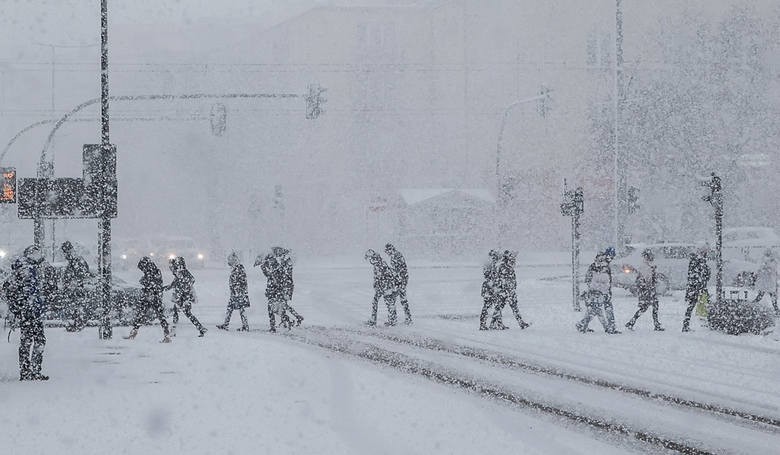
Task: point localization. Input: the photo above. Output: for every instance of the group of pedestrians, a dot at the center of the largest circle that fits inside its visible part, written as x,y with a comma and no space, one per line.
390,282
277,267
499,288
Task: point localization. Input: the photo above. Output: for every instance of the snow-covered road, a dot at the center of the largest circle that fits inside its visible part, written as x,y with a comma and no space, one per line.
335,386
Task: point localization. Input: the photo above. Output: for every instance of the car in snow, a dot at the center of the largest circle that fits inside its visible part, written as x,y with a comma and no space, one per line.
750,242
671,260
166,248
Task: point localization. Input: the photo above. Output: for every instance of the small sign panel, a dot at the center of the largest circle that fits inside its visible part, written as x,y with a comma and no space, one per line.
8,185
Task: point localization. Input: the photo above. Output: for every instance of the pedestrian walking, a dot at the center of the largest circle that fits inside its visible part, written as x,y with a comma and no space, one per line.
73,287
698,277
276,288
401,272
599,281
489,287
507,291
183,287
646,285
384,287
286,263
239,293
151,298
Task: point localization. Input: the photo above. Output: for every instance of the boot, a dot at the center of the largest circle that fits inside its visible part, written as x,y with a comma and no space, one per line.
483,326
298,320
630,325
243,329
202,332
408,320
658,328
40,377
131,335
222,326
166,339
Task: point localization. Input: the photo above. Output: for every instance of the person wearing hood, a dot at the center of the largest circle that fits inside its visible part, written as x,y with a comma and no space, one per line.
489,287
766,279
277,287
151,298
401,271
183,286
384,287
647,290
239,293
286,262
507,291
599,282
73,283
31,287
698,277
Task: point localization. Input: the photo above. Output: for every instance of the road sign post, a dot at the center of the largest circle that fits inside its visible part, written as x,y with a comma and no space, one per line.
573,205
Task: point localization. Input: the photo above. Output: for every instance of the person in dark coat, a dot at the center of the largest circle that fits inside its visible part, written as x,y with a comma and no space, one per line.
599,281
766,280
507,290
151,298
489,287
286,262
30,287
384,286
277,288
646,285
401,272
698,277
239,293
74,290
183,293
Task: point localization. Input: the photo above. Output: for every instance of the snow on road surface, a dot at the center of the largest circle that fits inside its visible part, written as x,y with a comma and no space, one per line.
439,386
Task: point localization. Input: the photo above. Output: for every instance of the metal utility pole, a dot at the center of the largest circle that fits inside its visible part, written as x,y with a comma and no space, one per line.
104,225
573,205
619,164
715,198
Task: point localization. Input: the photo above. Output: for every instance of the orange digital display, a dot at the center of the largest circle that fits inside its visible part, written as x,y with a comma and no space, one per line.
8,185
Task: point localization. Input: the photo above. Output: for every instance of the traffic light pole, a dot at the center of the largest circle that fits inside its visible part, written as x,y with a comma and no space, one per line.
715,198
104,225
573,205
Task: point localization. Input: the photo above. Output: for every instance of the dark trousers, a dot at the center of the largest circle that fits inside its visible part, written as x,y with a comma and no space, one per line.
389,301
512,301
404,302
186,308
31,346
241,312
594,308
609,315
77,303
284,320
643,305
692,298
489,301
158,310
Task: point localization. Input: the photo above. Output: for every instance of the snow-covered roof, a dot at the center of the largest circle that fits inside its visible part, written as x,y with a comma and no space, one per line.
412,196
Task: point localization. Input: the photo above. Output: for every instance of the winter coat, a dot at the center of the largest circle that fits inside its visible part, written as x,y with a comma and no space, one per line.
275,273
507,280
766,278
12,289
34,286
239,290
74,275
646,281
151,283
490,282
698,275
183,287
599,278
384,277
398,264
287,277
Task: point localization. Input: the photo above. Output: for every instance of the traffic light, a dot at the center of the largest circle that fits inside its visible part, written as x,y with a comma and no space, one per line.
633,199
8,185
218,119
314,101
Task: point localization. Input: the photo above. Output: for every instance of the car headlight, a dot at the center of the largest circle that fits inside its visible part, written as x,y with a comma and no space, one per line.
200,256
151,254
171,256
124,257
2,254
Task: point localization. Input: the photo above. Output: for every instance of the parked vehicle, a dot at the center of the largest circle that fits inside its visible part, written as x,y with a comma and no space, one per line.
169,247
672,260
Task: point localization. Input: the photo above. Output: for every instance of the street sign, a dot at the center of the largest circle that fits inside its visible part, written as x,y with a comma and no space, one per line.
100,185
53,198
8,185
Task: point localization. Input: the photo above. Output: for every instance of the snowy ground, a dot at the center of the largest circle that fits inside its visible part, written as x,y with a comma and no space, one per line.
439,386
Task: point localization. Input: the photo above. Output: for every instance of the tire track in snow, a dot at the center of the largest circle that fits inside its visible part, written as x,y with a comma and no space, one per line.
513,362
442,375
